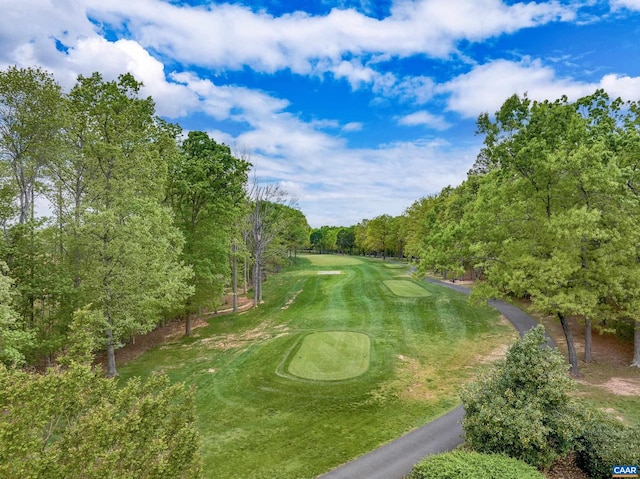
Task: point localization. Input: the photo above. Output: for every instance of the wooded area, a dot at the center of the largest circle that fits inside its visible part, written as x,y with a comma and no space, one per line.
107,208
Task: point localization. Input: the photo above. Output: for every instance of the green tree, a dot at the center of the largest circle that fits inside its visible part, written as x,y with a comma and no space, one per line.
129,246
206,190
315,239
398,235
346,239
295,233
627,148
550,197
30,124
420,218
379,234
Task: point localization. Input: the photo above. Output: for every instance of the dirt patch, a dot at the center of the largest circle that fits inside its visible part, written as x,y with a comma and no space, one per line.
167,333
291,300
565,468
414,379
622,386
237,340
606,348
495,355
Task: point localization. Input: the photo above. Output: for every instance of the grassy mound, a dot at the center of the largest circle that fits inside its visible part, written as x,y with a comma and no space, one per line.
331,356
406,288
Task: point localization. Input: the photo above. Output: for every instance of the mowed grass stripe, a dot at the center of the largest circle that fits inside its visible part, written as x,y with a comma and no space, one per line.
258,423
331,356
406,288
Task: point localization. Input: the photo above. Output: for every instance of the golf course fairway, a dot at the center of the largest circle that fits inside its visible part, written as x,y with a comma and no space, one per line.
330,367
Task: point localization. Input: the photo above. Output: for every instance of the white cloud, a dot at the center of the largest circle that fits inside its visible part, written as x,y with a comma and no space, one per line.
384,179
30,29
629,4
233,36
625,87
486,87
419,89
424,118
113,58
352,126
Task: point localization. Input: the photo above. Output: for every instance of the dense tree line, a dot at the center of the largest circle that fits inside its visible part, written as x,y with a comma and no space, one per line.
105,206
550,211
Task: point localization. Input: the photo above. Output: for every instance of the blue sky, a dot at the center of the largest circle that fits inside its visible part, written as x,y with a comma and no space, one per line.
356,107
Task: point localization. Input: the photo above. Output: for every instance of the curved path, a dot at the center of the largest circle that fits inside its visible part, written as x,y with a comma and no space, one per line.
396,459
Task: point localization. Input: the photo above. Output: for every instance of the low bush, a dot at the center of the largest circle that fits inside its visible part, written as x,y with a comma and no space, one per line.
472,465
607,442
521,406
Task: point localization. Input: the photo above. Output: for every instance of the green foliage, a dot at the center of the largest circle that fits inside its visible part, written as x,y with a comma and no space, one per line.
73,423
346,239
606,442
127,246
14,339
379,235
521,407
472,465
556,215
205,190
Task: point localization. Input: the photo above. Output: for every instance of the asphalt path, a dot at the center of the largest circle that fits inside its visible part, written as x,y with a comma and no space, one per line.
395,460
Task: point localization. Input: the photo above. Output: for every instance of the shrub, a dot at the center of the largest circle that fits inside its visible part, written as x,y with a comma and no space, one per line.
521,407
606,442
472,465
72,423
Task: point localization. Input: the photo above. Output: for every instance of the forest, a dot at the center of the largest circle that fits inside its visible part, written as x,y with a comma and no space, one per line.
110,211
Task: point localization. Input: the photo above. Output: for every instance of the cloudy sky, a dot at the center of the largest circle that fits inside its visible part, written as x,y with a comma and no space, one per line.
357,107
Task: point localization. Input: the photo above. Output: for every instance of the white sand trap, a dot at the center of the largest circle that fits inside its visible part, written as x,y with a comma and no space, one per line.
329,272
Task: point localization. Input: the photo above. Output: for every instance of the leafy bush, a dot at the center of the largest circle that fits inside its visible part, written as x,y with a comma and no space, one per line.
607,442
73,423
472,465
521,407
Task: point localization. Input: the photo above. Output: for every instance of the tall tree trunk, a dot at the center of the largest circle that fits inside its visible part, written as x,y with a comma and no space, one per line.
259,283
111,355
588,357
256,283
573,357
187,328
636,345
234,276
245,276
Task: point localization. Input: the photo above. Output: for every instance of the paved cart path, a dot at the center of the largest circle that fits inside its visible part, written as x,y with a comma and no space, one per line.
396,459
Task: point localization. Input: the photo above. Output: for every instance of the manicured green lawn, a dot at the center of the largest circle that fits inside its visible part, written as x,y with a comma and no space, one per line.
331,356
260,419
406,288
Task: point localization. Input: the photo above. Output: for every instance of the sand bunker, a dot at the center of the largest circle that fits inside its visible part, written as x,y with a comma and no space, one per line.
330,272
